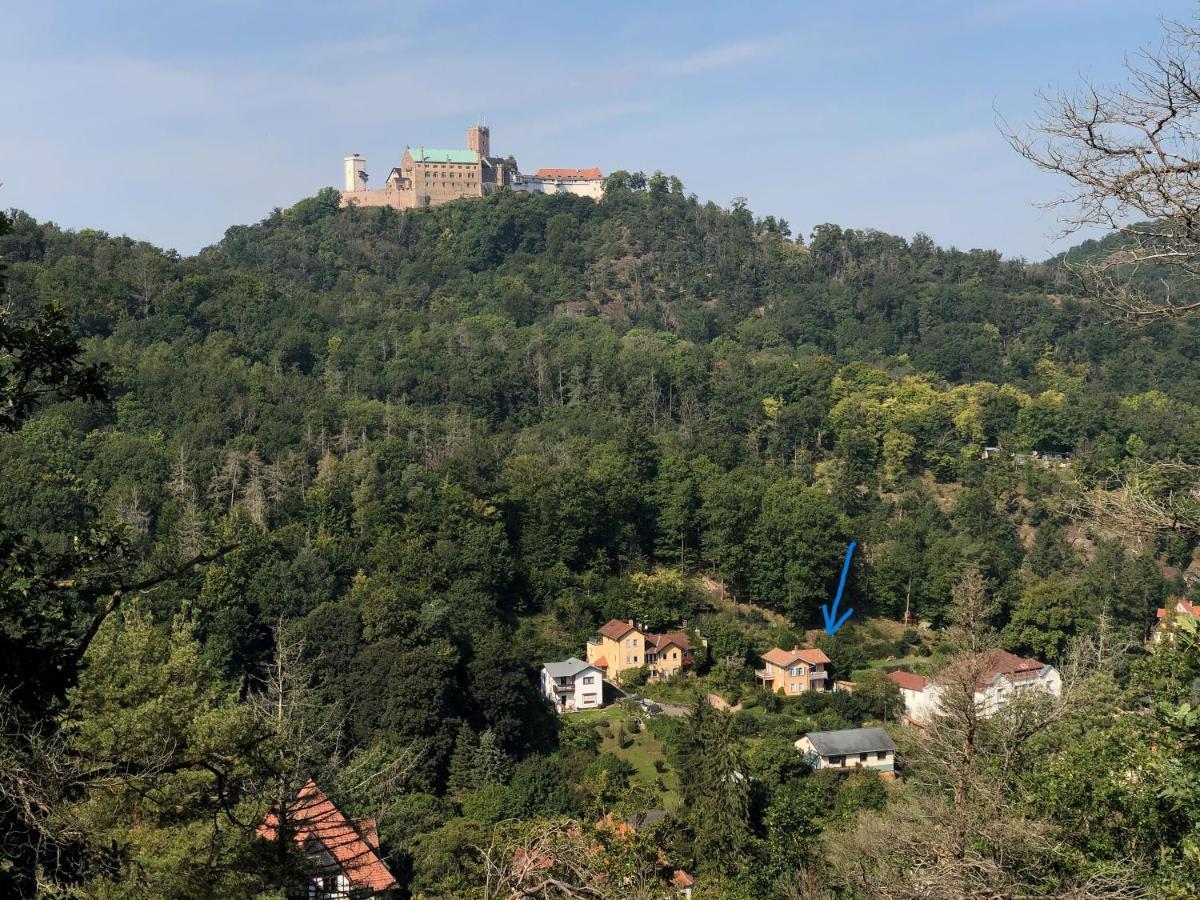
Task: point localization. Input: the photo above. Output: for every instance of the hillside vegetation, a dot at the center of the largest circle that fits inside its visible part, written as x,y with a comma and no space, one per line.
421,453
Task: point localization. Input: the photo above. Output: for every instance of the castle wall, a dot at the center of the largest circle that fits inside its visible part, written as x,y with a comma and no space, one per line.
397,199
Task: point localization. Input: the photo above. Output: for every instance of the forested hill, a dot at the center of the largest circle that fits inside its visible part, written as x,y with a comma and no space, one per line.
446,444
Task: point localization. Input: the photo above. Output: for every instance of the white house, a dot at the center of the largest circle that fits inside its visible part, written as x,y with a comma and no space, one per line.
1169,617
920,695
851,748
573,684
584,182
1006,675
1009,674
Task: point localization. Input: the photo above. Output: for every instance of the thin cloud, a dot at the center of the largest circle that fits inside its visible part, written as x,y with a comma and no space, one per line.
724,56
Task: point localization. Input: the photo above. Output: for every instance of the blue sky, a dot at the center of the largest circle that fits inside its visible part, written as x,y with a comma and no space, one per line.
171,121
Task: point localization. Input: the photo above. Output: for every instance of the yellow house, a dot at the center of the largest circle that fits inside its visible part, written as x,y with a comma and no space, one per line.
620,646
793,671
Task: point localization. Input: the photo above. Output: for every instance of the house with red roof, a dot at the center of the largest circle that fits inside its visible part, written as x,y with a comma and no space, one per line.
1004,675
795,671
344,853
620,646
1008,674
1169,617
919,693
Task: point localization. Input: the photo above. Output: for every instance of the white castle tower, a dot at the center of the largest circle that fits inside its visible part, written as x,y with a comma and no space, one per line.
356,173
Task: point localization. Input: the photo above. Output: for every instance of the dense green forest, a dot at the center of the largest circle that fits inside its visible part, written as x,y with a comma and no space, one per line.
382,465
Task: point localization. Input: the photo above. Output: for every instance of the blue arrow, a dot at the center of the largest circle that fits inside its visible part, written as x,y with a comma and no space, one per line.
832,622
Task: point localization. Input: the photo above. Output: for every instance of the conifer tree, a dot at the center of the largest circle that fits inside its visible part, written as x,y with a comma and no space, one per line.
462,762
490,765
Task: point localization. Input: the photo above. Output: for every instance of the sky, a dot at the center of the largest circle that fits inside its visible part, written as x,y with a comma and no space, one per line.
171,121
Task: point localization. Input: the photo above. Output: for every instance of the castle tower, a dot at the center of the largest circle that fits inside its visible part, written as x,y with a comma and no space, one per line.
479,139
356,173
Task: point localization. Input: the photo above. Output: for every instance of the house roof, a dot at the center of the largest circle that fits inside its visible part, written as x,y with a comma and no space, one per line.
1182,607
1011,666
615,629
591,174
568,668
601,662
786,658
678,638
909,681
437,154
352,846
682,879
850,740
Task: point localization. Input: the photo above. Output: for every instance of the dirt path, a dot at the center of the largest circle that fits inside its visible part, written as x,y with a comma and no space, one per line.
718,702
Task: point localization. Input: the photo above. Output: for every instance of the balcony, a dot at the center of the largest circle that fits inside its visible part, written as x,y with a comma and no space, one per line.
764,675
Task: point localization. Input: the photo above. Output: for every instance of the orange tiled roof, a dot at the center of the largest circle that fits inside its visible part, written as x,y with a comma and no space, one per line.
570,174
787,658
909,681
1182,607
682,879
353,847
615,629
601,663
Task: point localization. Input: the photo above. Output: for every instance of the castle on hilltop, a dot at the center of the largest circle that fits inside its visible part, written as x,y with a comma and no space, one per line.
428,176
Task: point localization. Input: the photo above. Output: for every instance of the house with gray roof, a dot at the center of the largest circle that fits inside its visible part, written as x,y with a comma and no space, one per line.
850,748
573,684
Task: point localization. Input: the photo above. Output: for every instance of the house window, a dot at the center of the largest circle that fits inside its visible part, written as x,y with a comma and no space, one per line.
837,760
795,670
589,679
881,755
862,757
793,688
675,655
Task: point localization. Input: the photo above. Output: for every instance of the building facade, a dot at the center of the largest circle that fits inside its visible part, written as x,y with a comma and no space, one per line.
851,748
1169,617
1005,675
584,182
573,685
794,671
619,647
431,176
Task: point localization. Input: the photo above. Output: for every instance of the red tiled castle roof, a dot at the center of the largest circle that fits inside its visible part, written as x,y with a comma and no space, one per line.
571,174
